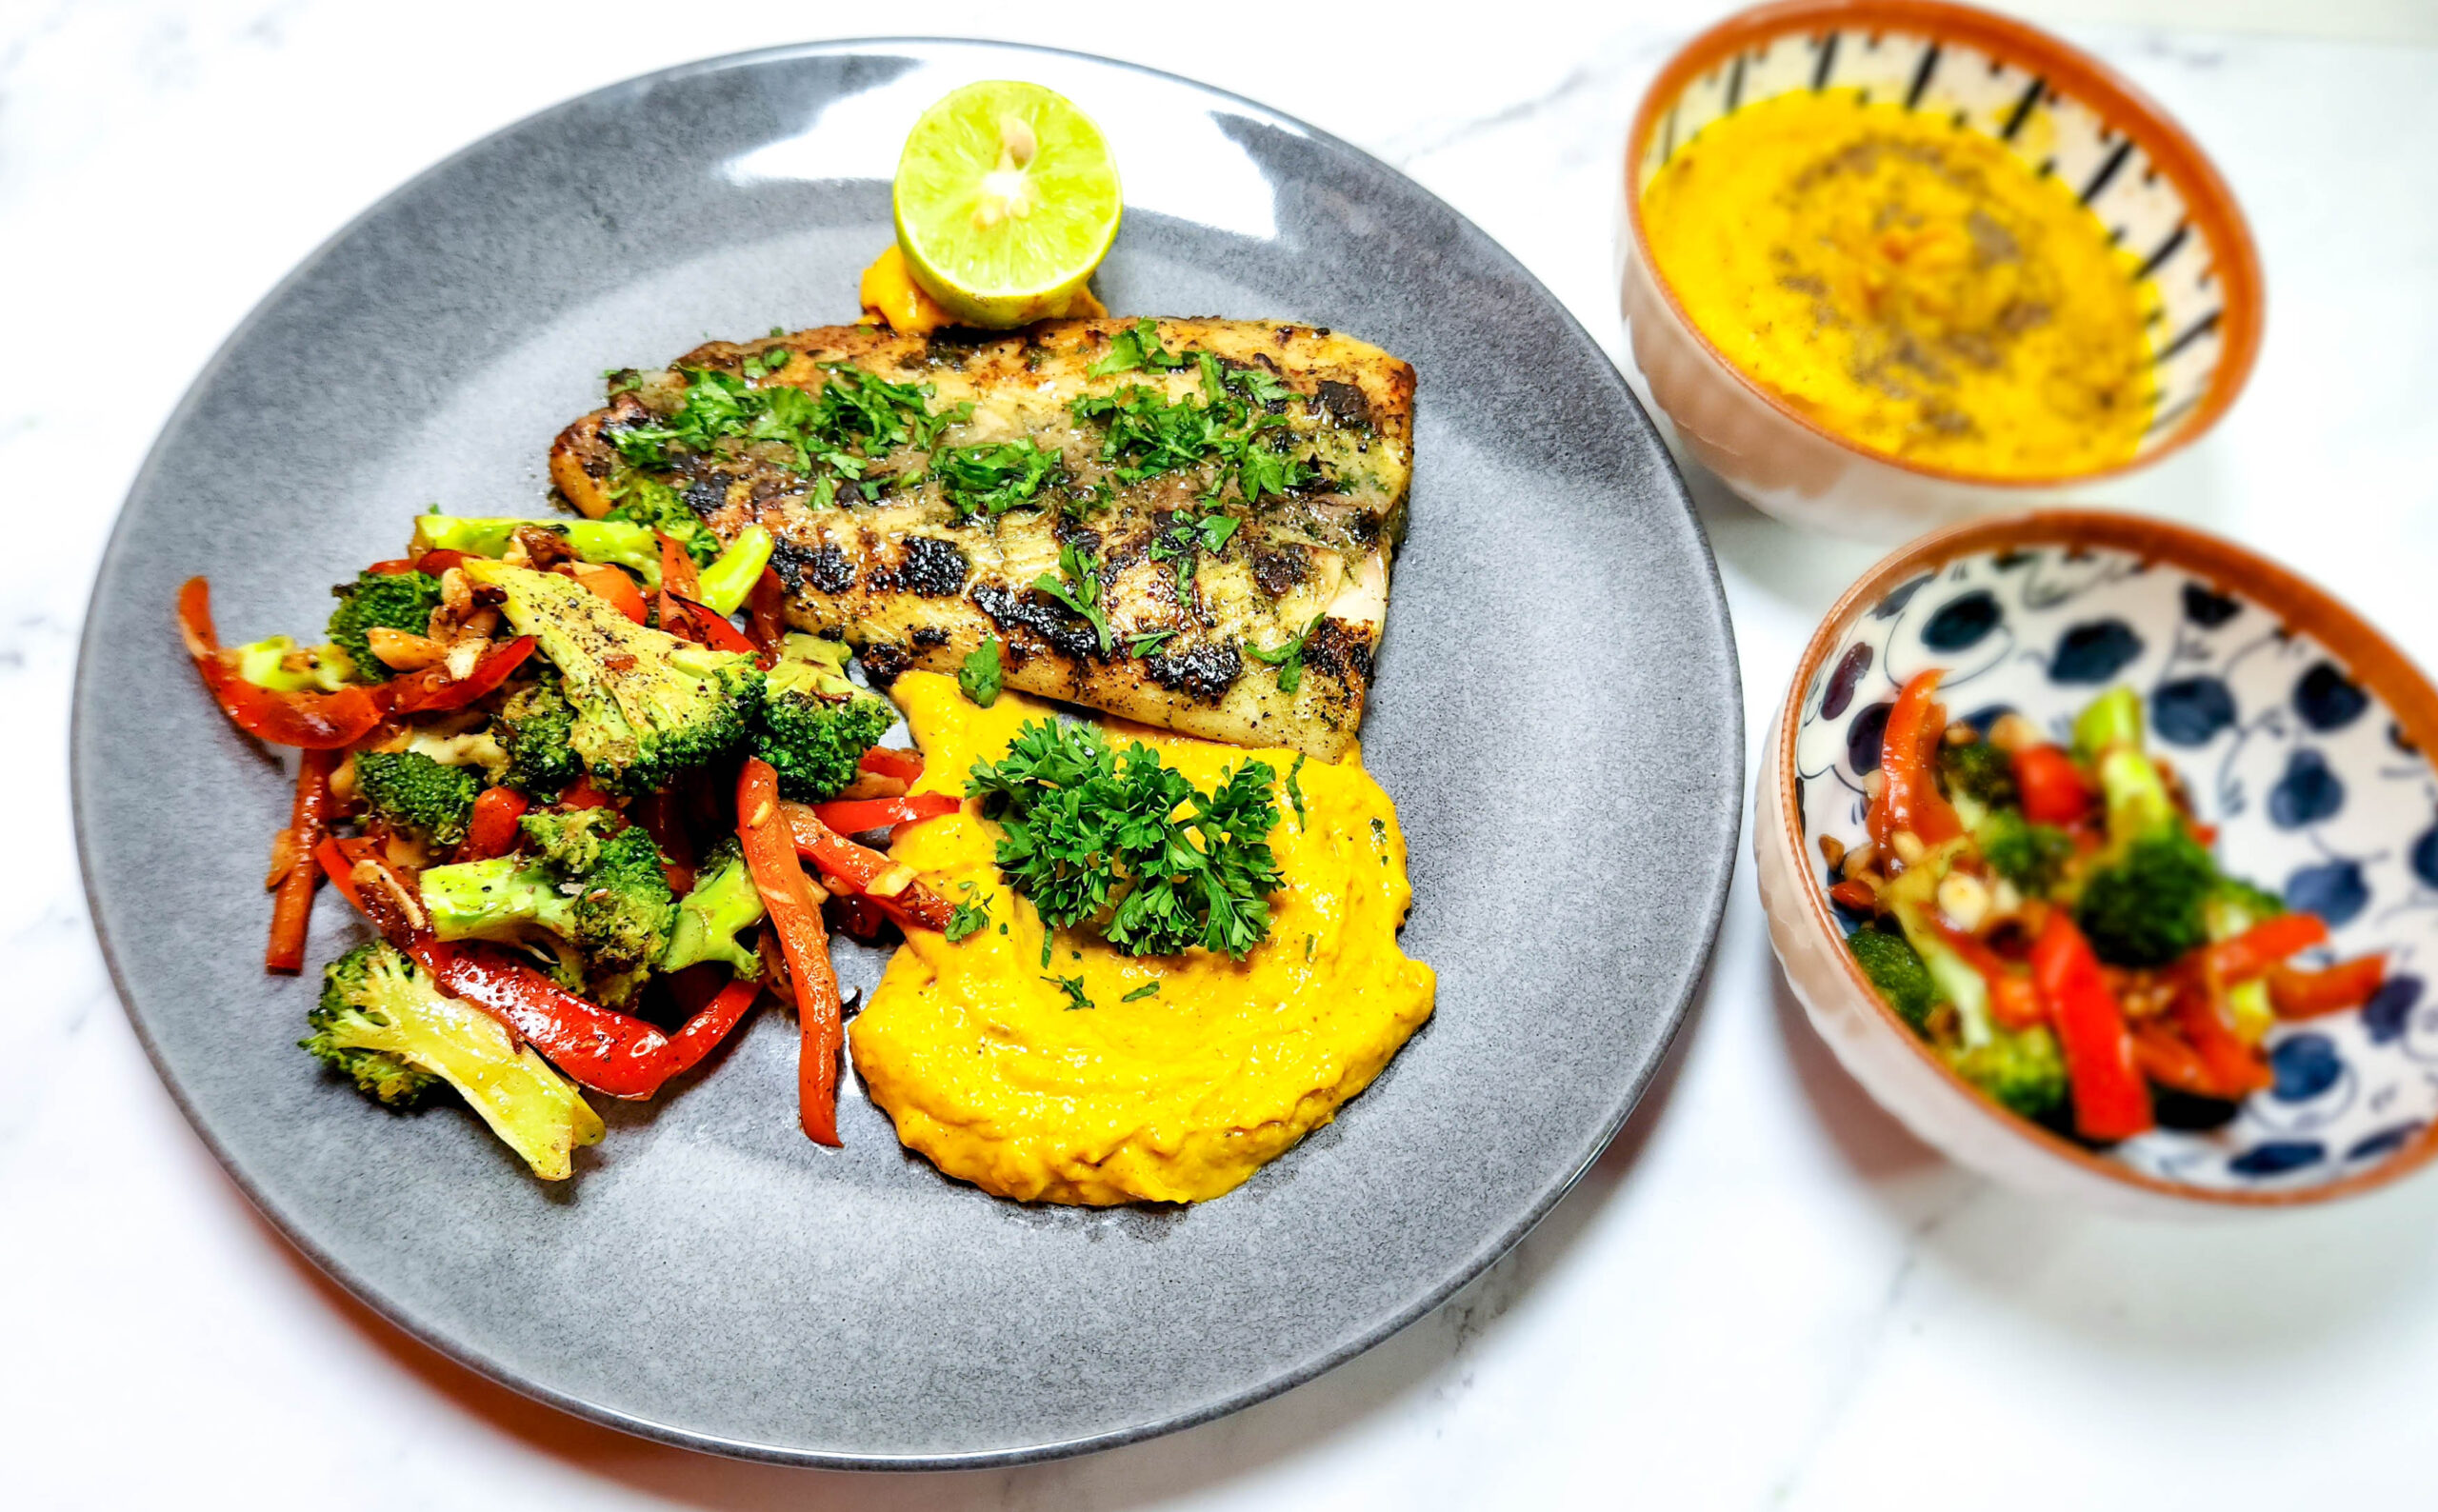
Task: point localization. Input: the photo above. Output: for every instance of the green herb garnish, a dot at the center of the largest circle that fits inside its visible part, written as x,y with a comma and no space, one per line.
980,674
1119,840
1073,987
1289,657
1147,989
1295,790
856,417
1148,436
761,364
1137,346
1081,588
1145,644
995,479
967,919
1185,536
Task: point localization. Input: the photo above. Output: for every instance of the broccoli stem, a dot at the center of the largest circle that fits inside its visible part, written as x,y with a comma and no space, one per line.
727,582
2111,720
282,665
384,1021
500,899
612,542
1910,897
2135,795
723,904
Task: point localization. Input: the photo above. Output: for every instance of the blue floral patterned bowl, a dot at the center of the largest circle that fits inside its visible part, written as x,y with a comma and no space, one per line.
2300,735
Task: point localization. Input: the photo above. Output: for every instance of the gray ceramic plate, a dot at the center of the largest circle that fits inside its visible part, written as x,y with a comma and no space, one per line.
1556,714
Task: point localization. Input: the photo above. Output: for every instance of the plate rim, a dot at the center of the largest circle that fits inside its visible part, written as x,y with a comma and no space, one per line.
1709,913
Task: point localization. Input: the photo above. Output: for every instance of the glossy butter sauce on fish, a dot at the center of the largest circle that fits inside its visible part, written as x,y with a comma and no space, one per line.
1188,523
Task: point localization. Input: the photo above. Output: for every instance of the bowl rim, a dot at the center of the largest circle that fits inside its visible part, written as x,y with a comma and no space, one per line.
2210,203
2299,604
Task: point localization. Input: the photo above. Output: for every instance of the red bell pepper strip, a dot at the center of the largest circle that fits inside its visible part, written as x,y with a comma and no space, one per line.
611,584
852,816
677,574
2308,994
1909,793
2162,1056
859,917
858,868
2110,1100
308,824
308,720
393,566
2053,786
677,580
491,832
2013,1002
582,794
432,563
2236,1069
766,618
1855,894
795,916
710,627
433,688
606,1052
892,761
707,1027
598,1048
2262,947
338,863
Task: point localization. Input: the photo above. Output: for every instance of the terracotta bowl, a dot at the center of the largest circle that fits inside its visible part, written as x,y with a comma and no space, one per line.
2299,731
2054,106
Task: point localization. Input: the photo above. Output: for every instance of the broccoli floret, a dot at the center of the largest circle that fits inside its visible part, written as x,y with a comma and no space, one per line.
656,505
2030,856
1896,970
609,541
383,1023
649,707
815,726
410,793
2022,1070
723,905
401,601
594,885
1980,771
533,726
2145,909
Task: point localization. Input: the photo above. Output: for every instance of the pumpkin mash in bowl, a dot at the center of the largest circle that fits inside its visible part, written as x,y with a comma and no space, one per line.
1102,1078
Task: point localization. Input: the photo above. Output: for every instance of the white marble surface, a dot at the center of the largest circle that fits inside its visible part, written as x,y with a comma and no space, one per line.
1766,1294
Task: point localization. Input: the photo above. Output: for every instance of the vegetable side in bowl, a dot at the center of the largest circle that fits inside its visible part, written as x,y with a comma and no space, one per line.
2049,917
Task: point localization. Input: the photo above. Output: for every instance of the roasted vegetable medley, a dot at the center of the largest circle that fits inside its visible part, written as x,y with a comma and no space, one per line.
2051,920
592,816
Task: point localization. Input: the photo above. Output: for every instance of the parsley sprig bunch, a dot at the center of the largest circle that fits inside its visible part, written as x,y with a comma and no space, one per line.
1126,843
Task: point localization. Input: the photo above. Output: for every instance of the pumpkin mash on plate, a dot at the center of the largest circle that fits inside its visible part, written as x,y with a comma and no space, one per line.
1102,1078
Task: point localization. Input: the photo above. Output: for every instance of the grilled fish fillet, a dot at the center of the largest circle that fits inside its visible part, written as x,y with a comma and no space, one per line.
889,564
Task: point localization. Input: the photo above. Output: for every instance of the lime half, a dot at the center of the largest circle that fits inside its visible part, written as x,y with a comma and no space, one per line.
1007,200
